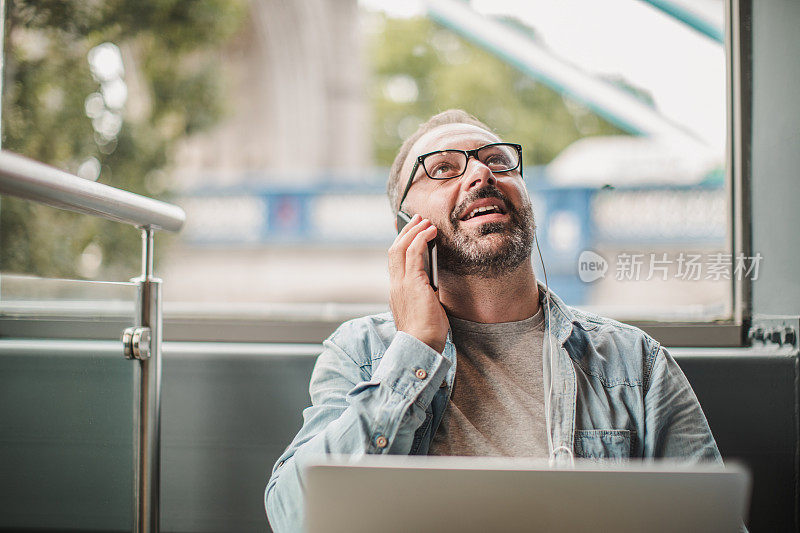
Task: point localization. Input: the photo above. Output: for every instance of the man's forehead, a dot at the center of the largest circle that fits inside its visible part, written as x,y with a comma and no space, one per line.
458,136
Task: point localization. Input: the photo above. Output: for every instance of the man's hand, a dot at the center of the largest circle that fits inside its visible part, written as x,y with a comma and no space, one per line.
415,306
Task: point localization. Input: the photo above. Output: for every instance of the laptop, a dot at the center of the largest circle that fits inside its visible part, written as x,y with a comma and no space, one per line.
389,494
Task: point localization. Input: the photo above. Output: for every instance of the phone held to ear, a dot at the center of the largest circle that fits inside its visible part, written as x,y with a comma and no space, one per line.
431,267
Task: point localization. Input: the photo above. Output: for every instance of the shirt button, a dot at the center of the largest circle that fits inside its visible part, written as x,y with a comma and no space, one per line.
381,441
421,374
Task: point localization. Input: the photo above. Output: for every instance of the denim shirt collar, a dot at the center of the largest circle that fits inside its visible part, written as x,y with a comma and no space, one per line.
564,381
559,316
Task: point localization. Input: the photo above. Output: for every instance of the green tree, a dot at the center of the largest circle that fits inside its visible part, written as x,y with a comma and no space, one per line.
170,48
420,69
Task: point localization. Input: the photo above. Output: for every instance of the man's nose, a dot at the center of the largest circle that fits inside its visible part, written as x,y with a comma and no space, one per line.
477,173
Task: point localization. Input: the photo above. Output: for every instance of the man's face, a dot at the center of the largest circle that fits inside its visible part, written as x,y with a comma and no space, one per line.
487,244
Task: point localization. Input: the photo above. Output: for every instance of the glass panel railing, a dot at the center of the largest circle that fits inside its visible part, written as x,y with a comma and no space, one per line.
66,405
33,307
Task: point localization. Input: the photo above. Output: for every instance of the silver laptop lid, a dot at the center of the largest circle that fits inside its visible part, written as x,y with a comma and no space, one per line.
403,494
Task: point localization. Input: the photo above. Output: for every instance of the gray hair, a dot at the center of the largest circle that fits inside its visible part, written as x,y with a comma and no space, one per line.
451,116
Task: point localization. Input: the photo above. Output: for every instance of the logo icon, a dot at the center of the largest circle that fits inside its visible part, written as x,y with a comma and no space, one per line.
591,266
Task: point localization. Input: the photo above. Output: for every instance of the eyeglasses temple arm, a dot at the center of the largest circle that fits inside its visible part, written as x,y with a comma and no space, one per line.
408,185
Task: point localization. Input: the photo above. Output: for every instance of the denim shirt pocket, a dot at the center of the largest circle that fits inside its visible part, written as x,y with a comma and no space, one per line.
608,445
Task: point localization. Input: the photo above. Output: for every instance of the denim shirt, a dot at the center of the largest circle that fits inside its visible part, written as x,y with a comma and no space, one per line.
616,394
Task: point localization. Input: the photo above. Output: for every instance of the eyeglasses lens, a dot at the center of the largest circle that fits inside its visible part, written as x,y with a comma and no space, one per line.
499,157
445,164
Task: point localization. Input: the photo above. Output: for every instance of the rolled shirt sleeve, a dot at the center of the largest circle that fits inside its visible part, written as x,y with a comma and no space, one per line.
355,414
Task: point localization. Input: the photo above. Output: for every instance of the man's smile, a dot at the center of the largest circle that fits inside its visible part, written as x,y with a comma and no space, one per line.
483,207
488,207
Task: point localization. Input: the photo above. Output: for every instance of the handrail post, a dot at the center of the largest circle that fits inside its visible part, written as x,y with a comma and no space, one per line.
32,180
147,417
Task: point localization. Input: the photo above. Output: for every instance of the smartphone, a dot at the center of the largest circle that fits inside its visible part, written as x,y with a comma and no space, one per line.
431,267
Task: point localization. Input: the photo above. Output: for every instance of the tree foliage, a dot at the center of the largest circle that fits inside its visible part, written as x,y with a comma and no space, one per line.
171,51
420,69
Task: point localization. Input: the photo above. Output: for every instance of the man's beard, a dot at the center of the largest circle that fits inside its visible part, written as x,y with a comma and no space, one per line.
468,255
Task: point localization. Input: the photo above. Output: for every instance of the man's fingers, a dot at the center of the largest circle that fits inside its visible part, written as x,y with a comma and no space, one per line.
403,240
397,251
396,256
414,220
413,228
404,254
418,249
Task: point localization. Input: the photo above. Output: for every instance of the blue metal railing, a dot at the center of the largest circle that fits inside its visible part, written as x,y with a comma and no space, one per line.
352,214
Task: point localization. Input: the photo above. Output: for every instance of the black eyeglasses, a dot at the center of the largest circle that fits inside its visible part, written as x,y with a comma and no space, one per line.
449,164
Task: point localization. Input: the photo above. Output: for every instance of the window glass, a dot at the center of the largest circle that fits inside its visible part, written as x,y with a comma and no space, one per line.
273,125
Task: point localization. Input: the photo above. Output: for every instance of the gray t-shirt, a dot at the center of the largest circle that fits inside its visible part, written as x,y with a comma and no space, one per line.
497,405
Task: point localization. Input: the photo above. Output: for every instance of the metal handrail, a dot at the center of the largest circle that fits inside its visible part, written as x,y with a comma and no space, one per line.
29,179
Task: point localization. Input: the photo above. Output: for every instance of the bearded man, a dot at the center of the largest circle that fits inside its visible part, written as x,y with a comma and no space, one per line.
492,363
